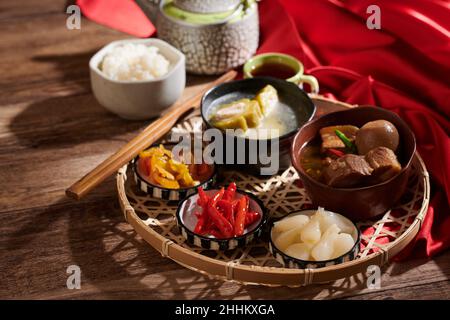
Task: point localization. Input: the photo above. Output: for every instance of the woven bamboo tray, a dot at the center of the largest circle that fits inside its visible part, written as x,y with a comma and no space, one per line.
154,220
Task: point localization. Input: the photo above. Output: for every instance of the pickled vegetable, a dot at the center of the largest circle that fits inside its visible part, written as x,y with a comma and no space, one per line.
311,232
285,239
267,99
343,243
319,237
297,221
159,167
220,218
300,251
324,249
328,218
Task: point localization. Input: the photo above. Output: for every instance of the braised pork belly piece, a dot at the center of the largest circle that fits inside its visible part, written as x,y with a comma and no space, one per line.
384,163
347,171
331,141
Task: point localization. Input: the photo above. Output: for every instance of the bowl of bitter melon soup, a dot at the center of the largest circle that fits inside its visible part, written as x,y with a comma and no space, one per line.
257,119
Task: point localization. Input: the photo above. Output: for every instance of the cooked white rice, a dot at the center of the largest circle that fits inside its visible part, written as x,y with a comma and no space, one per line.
134,62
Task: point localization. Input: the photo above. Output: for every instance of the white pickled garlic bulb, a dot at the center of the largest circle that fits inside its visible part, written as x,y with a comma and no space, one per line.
299,251
327,218
311,232
324,249
285,239
292,222
342,244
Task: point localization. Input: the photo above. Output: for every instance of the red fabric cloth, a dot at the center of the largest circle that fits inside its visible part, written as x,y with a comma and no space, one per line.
403,67
123,15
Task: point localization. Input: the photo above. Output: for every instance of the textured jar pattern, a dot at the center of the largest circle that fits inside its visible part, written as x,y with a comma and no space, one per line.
207,6
212,49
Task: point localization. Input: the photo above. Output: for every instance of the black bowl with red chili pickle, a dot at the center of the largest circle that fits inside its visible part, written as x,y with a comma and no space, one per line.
221,219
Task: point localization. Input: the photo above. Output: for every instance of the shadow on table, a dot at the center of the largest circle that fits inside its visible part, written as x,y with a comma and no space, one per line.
73,69
72,116
67,121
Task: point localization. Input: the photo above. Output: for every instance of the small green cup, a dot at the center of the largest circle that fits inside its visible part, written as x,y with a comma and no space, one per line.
283,59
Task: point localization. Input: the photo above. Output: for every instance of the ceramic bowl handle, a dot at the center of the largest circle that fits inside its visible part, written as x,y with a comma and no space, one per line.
312,81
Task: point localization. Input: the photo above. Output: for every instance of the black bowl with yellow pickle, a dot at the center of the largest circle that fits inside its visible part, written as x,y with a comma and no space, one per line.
166,175
268,111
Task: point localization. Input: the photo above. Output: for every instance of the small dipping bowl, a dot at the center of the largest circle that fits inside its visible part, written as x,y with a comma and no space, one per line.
289,94
159,192
358,203
296,263
187,220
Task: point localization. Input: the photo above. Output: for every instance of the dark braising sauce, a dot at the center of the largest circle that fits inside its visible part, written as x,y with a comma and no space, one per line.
312,160
275,70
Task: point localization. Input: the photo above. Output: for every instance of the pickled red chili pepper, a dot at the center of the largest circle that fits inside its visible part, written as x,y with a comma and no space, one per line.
218,196
239,224
222,224
215,233
203,199
251,217
200,226
230,192
222,215
227,208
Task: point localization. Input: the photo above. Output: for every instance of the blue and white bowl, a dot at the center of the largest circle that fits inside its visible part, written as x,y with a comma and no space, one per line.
159,192
187,220
291,262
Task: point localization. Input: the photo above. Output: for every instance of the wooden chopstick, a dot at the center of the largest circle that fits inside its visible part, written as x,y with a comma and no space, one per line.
148,136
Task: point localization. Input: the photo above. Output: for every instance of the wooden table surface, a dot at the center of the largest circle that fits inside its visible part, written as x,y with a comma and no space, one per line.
52,131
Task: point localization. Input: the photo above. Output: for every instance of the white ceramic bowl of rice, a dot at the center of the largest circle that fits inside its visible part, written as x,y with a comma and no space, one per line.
138,78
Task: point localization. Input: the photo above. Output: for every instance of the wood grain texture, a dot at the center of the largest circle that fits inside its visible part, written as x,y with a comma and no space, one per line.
52,131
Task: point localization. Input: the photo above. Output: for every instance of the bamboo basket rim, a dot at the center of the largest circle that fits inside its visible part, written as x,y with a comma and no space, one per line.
266,275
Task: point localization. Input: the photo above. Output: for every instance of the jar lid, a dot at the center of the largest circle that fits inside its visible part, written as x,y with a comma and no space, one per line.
207,6
171,10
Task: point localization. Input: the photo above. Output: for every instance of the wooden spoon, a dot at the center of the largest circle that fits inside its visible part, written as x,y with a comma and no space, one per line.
148,136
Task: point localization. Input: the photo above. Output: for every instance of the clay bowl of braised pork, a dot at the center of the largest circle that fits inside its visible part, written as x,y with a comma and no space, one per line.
355,162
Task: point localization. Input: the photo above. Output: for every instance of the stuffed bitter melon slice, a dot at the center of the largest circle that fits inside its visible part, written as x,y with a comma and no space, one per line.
253,114
236,122
267,98
242,114
245,113
230,110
